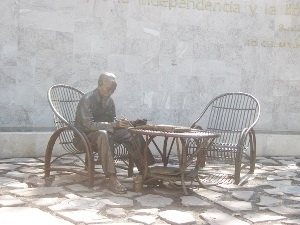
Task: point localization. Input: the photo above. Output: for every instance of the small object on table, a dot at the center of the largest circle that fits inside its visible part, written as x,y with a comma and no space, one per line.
138,183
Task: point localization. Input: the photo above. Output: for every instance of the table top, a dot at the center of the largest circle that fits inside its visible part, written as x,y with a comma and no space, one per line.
172,131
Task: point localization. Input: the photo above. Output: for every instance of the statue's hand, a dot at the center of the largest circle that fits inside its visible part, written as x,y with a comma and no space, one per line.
139,122
123,123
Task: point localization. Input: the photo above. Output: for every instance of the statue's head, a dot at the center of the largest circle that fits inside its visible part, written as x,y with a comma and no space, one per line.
107,84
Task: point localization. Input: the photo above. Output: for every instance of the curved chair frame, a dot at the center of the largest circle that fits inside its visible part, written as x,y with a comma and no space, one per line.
233,116
63,100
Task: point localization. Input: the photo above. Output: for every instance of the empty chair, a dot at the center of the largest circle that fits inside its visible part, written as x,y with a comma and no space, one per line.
233,116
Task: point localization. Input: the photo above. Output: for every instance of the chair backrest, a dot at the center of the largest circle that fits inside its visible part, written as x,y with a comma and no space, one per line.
229,115
63,100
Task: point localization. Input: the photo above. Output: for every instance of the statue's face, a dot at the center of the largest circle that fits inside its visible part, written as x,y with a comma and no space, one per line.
106,89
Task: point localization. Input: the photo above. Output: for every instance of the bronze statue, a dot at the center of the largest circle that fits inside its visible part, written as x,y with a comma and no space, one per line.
96,117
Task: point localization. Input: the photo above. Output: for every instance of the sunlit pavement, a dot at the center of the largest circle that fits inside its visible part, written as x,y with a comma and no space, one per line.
269,196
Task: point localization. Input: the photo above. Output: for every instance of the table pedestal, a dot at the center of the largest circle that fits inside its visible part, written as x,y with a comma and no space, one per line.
189,163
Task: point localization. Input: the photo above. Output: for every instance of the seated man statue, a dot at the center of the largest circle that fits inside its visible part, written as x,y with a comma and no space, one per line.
95,116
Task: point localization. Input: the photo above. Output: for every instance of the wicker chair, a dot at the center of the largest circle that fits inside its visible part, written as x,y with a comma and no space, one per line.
63,100
233,116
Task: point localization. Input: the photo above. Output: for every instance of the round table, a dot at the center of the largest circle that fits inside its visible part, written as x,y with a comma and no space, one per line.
182,138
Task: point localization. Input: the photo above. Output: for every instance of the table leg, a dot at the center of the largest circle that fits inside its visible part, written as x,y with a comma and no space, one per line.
148,140
182,163
201,155
183,184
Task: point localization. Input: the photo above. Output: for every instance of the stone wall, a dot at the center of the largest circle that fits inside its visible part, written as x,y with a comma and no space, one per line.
170,57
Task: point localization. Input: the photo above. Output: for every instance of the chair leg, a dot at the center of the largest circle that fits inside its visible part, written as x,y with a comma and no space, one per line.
237,169
90,165
252,140
48,154
49,149
130,166
202,158
89,157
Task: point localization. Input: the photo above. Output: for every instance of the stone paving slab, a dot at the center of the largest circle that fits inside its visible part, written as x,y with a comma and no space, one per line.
177,217
151,200
285,211
9,167
270,195
12,183
17,175
217,217
143,219
116,212
243,195
193,201
36,191
263,217
85,216
27,215
8,200
236,206
269,201
79,203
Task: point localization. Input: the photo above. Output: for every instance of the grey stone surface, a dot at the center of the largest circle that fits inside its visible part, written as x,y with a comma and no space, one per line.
13,183
263,217
216,217
8,166
45,201
274,191
8,200
17,175
116,201
151,200
148,211
22,161
273,177
36,191
292,198
236,206
287,162
268,161
278,184
27,215
286,173
35,180
78,203
78,188
32,170
177,217
86,216
116,212
211,195
285,211
292,221
293,190
72,202
144,219
193,201
243,195
269,201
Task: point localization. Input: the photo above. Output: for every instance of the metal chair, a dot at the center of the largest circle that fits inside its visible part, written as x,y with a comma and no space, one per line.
233,116
63,100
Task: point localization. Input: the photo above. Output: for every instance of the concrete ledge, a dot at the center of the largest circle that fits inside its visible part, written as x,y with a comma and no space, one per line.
33,144
278,144
25,144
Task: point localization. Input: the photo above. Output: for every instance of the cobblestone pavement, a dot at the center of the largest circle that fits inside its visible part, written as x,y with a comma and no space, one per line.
269,196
